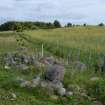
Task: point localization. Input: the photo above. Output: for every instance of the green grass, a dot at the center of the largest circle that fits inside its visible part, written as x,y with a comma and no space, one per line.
84,38
57,42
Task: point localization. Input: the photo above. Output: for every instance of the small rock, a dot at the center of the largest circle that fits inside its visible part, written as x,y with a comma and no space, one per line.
25,84
57,85
96,103
54,97
47,60
44,84
69,93
35,82
74,88
7,67
79,66
21,67
94,78
62,91
13,96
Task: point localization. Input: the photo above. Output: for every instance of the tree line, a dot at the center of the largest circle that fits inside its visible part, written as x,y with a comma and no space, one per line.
20,26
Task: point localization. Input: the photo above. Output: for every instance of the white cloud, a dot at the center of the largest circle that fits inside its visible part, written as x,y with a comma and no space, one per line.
77,11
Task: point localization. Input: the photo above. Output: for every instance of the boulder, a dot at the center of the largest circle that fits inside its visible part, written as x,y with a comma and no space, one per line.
55,72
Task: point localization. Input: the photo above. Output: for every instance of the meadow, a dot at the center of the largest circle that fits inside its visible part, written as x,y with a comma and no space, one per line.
59,42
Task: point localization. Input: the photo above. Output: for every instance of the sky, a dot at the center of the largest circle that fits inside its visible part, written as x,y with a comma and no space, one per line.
74,11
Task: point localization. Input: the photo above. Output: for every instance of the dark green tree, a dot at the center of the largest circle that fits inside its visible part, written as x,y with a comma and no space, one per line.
57,24
84,24
69,24
101,24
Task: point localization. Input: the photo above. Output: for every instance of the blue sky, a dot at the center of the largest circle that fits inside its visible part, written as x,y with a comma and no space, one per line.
75,11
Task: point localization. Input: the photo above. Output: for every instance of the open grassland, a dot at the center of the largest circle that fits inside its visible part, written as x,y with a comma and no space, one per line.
85,39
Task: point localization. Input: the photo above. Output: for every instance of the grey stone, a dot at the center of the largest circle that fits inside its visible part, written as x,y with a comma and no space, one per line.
35,82
55,72
25,84
94,78
62,91
96,103
21,67
13,96
57,84
25,59
79,66
47,60
69,93
74,88
9,59
7,67
22,49
44,84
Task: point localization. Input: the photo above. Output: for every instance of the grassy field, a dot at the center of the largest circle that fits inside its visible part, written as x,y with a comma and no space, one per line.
83,38
56,41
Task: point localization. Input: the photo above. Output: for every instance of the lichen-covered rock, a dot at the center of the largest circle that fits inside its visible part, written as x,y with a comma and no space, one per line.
55,72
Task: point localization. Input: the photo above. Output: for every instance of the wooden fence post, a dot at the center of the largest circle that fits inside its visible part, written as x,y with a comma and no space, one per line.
78,55
69,59
42,51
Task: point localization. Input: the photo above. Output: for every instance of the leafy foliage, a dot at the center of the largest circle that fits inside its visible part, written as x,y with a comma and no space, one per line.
19,26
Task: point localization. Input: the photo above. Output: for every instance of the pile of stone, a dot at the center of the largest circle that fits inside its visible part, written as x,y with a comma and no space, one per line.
22,61
18,61
52,80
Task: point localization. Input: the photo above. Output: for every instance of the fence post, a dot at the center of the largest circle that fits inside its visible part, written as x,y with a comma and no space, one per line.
69,60
78,55
42,51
